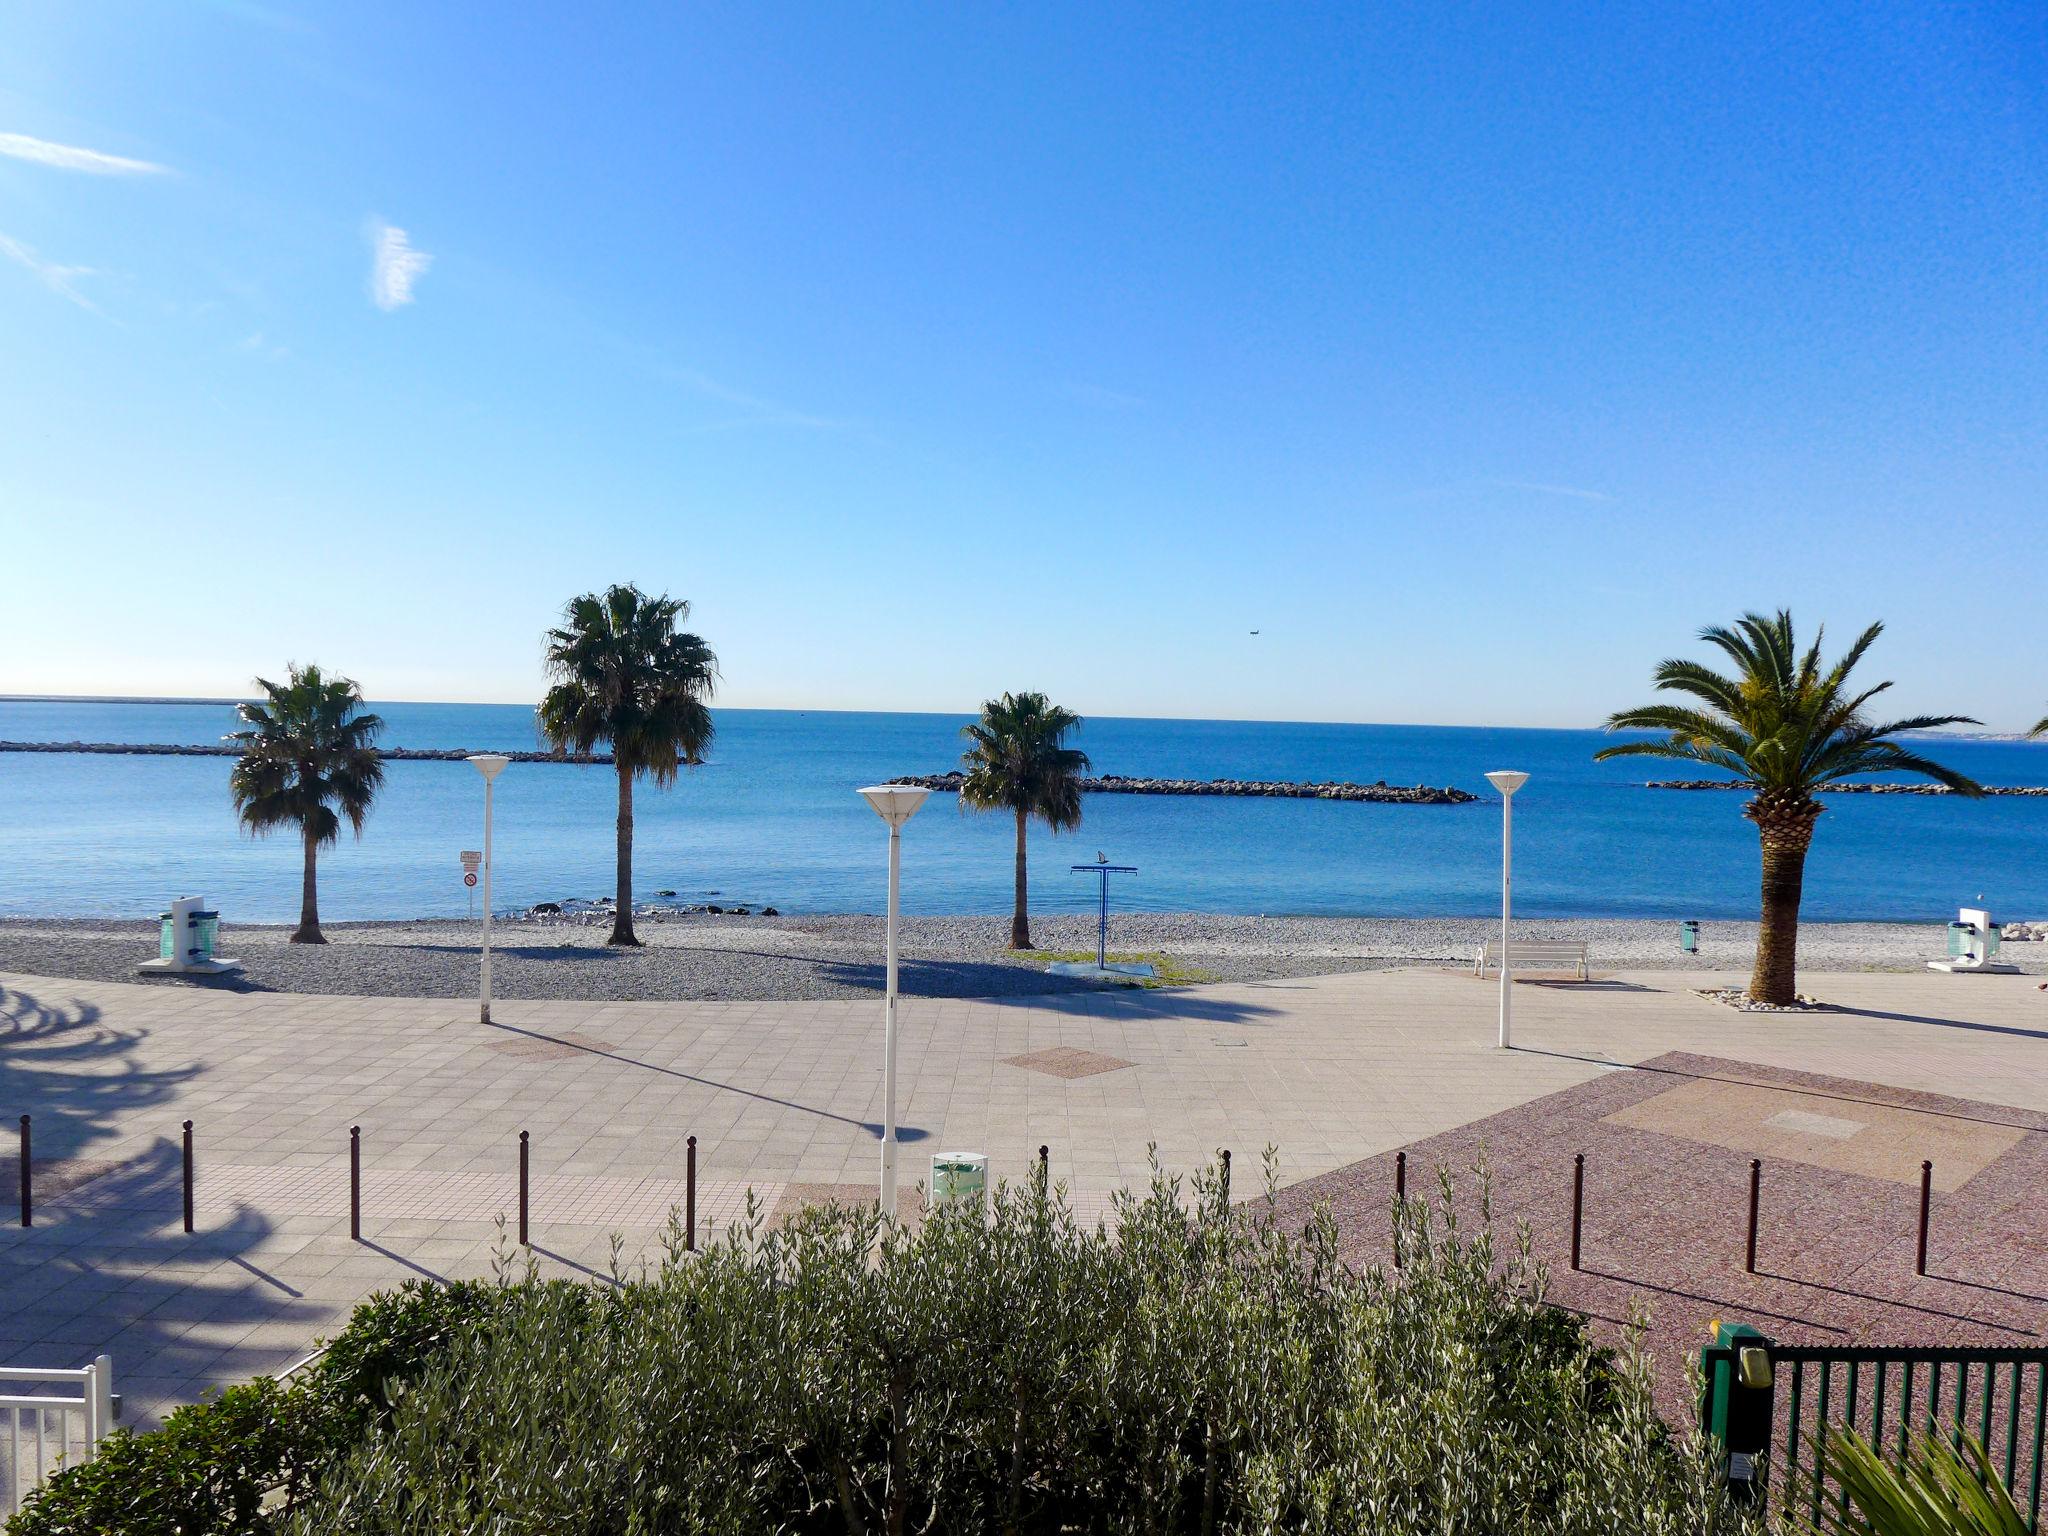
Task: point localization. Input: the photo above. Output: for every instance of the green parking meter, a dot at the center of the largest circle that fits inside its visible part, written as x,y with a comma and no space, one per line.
1738,1406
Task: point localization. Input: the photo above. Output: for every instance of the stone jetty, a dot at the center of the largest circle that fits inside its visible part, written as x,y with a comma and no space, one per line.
1381,793
225,749
2036,790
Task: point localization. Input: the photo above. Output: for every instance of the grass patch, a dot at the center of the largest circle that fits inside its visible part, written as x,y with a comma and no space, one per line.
1167,971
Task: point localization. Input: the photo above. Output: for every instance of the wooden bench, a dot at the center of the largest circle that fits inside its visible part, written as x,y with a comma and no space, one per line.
1534,955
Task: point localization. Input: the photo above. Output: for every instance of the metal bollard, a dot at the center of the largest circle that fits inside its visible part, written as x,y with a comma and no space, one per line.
1226,1175
1044,1170
1578,1202
1400,1199
1926,1192
522,1191
188,1175
690,1197
1756,1179
355,1182
26,1219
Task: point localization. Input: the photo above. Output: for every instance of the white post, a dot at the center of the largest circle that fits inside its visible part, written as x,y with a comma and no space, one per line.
100,1420
889,1036
895,804
490,765
1507,888
486,1015
1507,781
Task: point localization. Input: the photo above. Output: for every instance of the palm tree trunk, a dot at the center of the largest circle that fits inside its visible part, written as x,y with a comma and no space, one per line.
1020,915
1785,831
308,931
622,915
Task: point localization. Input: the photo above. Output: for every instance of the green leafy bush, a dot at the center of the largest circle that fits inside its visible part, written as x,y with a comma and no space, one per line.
206,1471
1191,1369
209,1468
1194,1369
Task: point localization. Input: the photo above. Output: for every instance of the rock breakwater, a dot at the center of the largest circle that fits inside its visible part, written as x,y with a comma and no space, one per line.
2037,791
1381,792
226,749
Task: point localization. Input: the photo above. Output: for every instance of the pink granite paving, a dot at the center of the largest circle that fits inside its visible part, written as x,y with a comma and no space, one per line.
1666,1211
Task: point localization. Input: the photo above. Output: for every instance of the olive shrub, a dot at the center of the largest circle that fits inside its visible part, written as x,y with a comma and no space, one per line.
1189,1367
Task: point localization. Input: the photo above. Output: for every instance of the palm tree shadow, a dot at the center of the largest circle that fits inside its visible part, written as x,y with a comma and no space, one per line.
174,1309
74,1073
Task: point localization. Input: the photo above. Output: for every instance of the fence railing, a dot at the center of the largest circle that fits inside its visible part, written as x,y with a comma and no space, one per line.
43,1432
1886,1394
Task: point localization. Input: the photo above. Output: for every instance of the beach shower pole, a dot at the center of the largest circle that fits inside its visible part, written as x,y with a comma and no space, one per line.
490,765
895,804
1507,781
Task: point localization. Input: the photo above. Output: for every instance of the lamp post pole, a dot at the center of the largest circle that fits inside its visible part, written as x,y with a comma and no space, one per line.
889,1031
490,765
895,804
1507,782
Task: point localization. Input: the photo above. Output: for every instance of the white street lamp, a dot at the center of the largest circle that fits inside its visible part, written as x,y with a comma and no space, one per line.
1507,781
895,804
490,765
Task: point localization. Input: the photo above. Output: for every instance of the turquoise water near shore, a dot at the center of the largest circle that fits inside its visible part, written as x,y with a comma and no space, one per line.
772,818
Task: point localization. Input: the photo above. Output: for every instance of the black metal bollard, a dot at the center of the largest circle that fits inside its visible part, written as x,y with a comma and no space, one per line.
26,1219
1926,1193
1226,1175
355,1182
188,1175
1756,1179
1044,1170
690,1196
1400,1199
522,1191
1578,1202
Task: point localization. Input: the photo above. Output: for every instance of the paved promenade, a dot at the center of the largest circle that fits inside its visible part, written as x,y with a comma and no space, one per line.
784,1099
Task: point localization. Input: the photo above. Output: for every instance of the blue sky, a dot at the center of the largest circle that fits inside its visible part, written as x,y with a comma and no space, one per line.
1473,355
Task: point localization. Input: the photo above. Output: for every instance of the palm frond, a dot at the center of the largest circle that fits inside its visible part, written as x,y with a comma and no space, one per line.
1679,751
1784,720
308,748
624,674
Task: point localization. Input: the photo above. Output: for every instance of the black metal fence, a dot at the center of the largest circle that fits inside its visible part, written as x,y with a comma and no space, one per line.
1885,1393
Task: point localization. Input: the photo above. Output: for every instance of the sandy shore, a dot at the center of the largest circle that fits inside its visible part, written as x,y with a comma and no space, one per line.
743,958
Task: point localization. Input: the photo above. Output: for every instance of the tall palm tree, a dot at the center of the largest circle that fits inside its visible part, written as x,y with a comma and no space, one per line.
1019,761
307,751
624,674
1787,728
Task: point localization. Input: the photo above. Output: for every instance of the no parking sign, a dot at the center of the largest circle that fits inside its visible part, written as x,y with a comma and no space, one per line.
471,861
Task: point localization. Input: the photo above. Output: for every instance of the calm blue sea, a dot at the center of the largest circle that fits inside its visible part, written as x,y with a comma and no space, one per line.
773,819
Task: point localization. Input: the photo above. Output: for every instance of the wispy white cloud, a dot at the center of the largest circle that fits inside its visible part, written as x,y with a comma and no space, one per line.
256,342
1102,397
1539,488
59,279
69,157
394,266
1464,489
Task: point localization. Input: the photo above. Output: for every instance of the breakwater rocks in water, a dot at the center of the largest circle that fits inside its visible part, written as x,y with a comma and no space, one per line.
2037,791
1381,793
227,749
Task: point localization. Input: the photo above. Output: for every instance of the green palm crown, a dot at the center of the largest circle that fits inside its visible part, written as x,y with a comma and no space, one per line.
627,676
307,752
1017,760
1782,722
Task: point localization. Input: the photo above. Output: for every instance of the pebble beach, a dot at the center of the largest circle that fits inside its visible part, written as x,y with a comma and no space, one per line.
793,957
